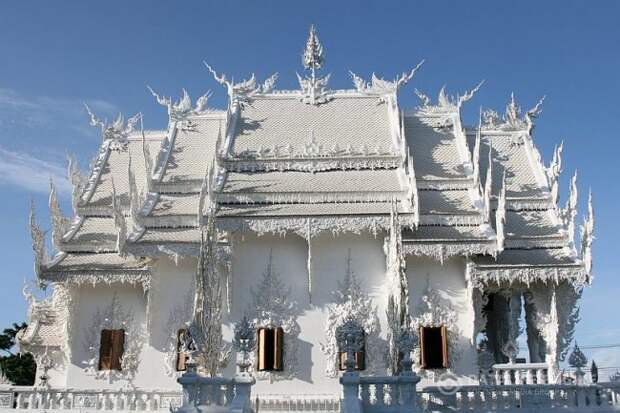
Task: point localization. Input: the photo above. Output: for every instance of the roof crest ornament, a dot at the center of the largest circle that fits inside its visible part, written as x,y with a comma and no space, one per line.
117,132
60,223
587,237
180,110
77,179
553,173
500,215
243,92
119,222
380,86
569,212
445,102
313,88
38,242
512,120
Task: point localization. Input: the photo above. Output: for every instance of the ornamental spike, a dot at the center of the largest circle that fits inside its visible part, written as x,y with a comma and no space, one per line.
468,94
476,153
78,181
569,213
500,215
119,222
59,221
553,173
488,186
148,160
587,237
37,236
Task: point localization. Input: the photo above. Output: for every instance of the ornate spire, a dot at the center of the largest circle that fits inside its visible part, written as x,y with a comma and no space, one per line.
587,237
569,212
77,179
488,186
180,110
553,173
60,223
380,86
512,120
313,88
500,215
38,242
445,102
119,222
117,132
242,92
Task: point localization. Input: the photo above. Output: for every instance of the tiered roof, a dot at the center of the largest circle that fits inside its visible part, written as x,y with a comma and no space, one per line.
314,160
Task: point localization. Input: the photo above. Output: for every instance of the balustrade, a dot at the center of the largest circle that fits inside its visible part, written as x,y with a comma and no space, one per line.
31,398
520,373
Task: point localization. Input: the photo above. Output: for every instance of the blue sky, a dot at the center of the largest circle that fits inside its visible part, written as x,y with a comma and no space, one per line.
56,55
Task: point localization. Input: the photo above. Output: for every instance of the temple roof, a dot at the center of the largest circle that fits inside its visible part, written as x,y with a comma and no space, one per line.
314,160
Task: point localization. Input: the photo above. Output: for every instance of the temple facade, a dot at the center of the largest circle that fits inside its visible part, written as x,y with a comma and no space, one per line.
301,210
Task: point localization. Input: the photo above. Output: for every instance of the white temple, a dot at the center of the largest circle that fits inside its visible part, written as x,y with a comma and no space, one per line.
304,210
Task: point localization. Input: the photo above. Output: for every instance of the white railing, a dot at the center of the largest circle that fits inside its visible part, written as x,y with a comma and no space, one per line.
386,394
32,398
520,373
594,398
296,402
216,394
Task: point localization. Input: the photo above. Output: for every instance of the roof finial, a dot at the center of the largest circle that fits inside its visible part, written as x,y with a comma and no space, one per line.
313,54
313,88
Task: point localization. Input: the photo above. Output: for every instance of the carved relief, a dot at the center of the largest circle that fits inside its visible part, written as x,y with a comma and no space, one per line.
271,307
352,304
114,316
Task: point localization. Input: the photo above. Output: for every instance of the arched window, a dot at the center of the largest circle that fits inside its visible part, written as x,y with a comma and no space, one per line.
270,349
111,349
434,347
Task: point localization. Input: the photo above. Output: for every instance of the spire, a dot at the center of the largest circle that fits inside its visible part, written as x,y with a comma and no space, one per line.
587,236
313,54
313,88
59,221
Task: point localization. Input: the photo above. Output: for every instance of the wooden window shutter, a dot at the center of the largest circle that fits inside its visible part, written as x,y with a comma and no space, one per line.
444,346
262,344
118,348
182,336
423,357
278,349
105,350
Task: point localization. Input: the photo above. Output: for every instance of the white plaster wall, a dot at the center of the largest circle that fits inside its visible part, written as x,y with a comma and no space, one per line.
172,291
171,286
290,254
449,280
90,299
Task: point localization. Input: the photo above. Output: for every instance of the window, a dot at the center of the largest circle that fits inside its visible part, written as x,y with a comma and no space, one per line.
270,343
434,347
360,359
111,349
182,356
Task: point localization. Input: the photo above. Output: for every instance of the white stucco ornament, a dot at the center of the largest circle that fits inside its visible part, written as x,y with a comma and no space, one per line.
271,307
354,305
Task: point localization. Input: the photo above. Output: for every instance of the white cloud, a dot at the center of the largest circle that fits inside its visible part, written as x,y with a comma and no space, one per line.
42,116
25,171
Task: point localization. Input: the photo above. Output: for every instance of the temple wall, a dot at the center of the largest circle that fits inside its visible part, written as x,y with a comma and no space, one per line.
290,260
87,333
449,280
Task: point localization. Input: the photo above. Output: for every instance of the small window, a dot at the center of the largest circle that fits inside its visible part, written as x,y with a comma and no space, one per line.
360,359
270,349
111,349
182,356
434,347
